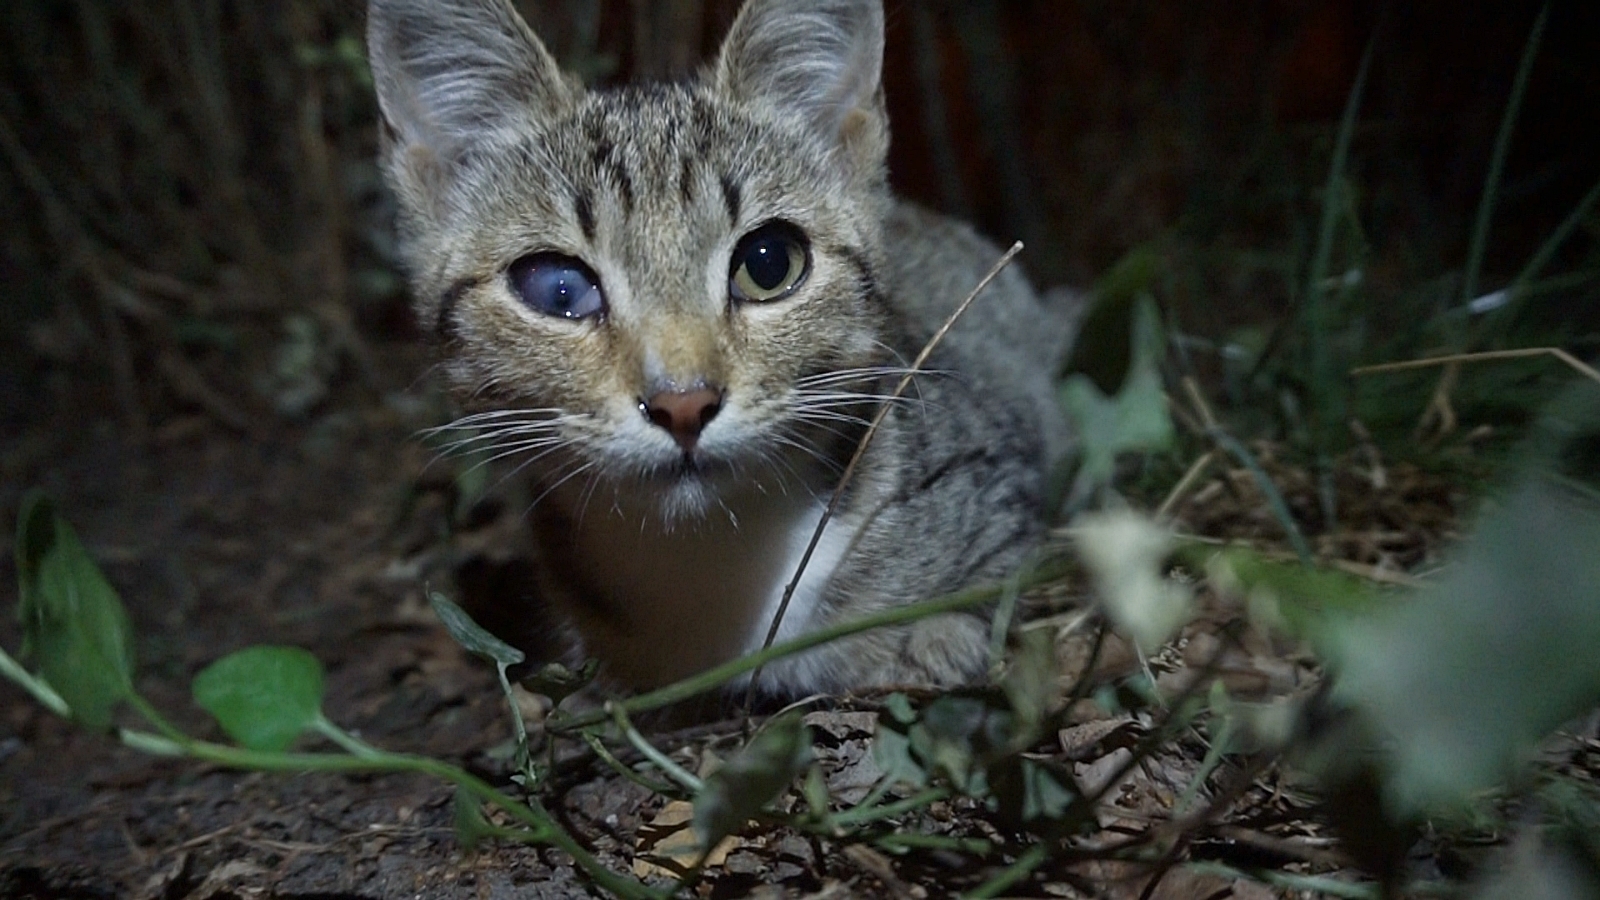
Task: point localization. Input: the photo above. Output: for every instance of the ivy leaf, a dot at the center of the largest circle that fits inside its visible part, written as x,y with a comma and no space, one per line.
1136,418
1125,552
73,624
960,734
1031,685
752,778
891,750
264,697
1029,792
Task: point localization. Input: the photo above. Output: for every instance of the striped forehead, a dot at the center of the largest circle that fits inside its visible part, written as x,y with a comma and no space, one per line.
656,149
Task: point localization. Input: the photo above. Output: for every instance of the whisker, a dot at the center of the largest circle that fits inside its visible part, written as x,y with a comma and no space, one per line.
823,425
510,450
828,415
586,496
838,399
808,450
520,417
562,480
864,374
490,439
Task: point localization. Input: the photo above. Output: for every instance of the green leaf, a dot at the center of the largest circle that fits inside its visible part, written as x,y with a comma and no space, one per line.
74,627
471,635
1135,419
1306,601
1030,792
264,697
752,778
1031,683
1101,351
1126,554
891,750
898,707
1470,675
558,682
960,734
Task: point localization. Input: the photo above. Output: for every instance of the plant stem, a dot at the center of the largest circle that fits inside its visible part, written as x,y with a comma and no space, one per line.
1502,147
616,765
862,815
1031,859
41,691
896,842
715,677
663,762
543,827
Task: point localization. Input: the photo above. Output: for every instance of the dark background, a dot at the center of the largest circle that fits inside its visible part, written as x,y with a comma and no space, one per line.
177,178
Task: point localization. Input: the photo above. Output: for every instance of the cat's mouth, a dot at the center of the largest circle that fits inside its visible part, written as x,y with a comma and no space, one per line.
692,466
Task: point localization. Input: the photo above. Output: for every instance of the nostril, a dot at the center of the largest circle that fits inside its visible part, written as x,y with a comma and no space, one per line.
659,416
683,414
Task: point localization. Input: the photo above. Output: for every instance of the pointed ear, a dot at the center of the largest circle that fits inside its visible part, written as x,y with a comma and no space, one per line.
450,73
820,59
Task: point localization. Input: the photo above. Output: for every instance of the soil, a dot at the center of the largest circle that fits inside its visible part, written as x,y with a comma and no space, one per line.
319,533
326,531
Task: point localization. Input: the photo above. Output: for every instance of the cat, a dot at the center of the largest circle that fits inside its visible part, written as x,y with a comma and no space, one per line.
678,305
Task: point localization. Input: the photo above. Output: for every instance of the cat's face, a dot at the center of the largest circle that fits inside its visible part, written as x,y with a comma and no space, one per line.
669,288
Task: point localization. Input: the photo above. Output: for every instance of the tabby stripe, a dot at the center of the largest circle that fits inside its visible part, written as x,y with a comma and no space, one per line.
444,324
583,207
731,198
686,181
864,273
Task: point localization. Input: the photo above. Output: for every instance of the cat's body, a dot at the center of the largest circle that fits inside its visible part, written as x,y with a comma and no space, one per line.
683,303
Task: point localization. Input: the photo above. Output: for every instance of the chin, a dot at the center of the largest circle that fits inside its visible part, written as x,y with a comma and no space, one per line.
688,489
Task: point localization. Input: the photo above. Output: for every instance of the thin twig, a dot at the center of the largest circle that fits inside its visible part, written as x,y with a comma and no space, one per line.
861,448
1189,479
1578,365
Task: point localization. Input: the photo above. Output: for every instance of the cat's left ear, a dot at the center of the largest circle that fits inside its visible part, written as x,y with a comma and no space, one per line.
822,59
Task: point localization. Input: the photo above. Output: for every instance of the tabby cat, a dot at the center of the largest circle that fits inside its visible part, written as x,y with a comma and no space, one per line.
679,304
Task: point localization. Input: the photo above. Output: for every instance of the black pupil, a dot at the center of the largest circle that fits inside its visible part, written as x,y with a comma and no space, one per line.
767,262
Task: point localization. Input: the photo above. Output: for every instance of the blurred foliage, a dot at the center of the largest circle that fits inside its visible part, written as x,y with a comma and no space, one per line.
190,172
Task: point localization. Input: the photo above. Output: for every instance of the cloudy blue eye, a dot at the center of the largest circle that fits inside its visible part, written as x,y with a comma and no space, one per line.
557,285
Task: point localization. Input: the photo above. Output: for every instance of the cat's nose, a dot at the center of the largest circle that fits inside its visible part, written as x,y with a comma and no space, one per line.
684,414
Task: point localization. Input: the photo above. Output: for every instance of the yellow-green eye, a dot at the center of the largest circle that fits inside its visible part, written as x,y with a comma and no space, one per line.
769,263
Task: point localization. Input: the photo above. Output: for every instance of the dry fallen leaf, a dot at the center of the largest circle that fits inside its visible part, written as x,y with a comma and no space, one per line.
667,846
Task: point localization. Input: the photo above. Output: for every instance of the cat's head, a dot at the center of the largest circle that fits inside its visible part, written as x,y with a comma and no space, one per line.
659,284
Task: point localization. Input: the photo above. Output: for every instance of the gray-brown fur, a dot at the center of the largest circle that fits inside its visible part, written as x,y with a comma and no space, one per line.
670,560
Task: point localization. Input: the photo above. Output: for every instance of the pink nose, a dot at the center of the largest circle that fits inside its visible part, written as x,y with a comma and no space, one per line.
684,414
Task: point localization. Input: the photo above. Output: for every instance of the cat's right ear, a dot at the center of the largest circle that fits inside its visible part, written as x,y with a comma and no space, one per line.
451,74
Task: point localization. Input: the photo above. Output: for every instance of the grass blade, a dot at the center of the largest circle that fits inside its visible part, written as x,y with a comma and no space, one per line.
1502,146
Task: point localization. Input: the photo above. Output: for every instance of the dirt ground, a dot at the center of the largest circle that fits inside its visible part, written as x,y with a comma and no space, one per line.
324,533
314,536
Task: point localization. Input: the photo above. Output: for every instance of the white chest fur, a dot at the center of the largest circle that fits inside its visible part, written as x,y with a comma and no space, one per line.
687,598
